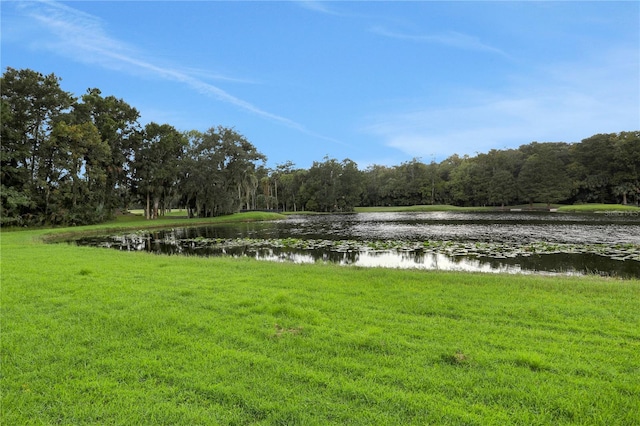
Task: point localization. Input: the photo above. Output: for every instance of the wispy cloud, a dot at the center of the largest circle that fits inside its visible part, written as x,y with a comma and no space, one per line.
449,38
317,6
208,75
561,102
82,37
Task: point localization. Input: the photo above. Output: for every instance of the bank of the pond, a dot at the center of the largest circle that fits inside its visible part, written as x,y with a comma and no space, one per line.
578,208
104,337
497,242
137,222
600,208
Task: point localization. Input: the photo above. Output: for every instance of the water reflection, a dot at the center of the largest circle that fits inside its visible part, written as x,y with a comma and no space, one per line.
432,261
478,242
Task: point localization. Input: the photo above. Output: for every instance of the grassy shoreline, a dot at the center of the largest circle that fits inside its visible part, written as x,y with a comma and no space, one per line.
128,222
599,208
94,336
578,208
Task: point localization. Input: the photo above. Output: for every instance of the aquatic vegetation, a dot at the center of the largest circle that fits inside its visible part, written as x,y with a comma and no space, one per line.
498,250
504,242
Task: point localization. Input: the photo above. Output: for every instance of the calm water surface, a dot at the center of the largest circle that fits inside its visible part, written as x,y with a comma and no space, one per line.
548,243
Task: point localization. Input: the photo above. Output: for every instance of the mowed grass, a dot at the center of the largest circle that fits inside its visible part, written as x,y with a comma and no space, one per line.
96,336
600,208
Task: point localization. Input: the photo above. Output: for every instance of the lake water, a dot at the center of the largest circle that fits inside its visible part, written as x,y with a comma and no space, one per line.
513,242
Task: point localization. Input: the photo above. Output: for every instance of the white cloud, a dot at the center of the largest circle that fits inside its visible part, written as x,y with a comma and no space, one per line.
317,6
449,38
560,102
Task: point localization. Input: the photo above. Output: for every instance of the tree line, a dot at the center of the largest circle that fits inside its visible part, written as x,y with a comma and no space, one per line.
80,160
68,160
604,168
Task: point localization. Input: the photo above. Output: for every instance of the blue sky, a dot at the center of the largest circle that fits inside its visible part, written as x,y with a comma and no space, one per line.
375,82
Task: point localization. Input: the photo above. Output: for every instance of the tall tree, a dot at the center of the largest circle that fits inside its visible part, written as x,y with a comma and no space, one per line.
595,157
31,103
333,186
321,188
157,165
80,159
238,166
503,187
373,180
543,177
285,192
118,125
445,170
350,189
461,182
412,182
220,166
626,174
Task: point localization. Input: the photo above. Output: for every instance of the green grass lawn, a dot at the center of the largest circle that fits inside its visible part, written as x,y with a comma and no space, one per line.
578,208
599,208
95,336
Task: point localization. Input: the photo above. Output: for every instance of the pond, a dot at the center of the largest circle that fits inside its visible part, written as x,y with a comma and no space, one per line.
514,242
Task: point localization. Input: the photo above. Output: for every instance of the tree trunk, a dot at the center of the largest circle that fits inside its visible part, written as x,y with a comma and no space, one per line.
148,209
276,187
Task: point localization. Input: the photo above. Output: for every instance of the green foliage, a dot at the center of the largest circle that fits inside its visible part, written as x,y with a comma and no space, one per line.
106,337
31,103
608,168
543,177
157,166
81,175
288,183
219,173
603,168
332,186
71,162
57,151
118,125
